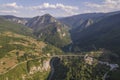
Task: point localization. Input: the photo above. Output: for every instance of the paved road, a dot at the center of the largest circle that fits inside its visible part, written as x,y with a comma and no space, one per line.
19,64
68,56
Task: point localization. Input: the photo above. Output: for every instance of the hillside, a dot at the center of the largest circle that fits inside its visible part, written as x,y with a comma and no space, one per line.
103,34
14,27
19,49
80,22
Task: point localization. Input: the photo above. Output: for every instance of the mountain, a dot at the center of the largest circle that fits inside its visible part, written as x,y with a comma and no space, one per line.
83,26
24,55
102,34
16,19
78,20
40,21
78,23
21,54
50,30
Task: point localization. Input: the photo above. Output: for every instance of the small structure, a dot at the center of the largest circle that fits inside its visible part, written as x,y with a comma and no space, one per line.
89,60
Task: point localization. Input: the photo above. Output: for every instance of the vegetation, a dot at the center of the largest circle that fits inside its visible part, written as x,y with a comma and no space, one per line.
18,46
20,50
75,68
50,35
103,34
16,73
21,72
52,50
14,27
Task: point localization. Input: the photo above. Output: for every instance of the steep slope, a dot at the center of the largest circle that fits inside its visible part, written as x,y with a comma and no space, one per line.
103,34
39,22
83,26
48,29
81,22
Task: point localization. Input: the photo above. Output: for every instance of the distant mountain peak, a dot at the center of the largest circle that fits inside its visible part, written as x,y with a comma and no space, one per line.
40,21
47,15
49,29
47,18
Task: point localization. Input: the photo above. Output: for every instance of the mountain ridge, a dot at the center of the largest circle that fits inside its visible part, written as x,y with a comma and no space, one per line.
49,29
103,34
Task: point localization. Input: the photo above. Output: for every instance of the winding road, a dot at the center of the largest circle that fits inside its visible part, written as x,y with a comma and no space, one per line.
19,64
112,67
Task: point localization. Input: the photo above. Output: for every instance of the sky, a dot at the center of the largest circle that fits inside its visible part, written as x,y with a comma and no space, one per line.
57,8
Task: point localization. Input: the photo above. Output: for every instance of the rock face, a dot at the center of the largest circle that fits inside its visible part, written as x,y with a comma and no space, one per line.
89,60
41,67
40,21
20,21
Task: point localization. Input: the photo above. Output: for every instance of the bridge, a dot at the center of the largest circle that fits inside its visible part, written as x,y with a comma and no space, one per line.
59,56
68,55
52,56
